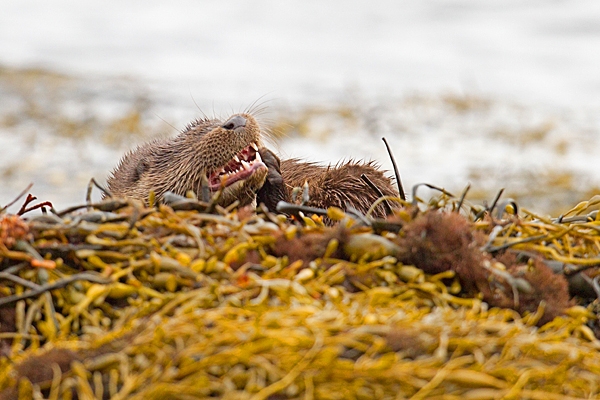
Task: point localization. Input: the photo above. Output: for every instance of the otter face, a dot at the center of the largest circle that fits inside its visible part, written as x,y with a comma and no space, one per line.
223,153
233,163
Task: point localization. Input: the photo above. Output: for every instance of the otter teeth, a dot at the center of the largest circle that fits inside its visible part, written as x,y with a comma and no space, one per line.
240,162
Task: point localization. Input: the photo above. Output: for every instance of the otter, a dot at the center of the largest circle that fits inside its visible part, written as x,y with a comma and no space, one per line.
231,156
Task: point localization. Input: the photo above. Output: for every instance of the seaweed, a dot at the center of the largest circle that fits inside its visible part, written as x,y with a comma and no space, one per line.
119,300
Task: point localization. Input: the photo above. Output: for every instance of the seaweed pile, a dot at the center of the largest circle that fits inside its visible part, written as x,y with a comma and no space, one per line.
189,300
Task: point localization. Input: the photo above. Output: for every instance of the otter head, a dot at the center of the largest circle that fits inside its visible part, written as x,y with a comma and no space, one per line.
224,153
230,157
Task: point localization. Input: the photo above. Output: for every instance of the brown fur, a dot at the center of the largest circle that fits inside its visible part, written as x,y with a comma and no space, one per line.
437,242
550,287
177,165
338,185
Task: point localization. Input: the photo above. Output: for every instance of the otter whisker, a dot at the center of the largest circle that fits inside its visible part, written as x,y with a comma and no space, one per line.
165,121
249,108
259,110
252,108
280,131
198,107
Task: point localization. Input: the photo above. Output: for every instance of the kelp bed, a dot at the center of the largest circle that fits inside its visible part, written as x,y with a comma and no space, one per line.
117,300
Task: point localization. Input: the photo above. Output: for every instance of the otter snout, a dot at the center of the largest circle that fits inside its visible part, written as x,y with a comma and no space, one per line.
235,122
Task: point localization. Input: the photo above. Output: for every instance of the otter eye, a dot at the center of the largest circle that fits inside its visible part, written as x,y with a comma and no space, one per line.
236,122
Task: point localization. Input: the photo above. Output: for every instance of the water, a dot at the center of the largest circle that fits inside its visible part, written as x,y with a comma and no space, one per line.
533,63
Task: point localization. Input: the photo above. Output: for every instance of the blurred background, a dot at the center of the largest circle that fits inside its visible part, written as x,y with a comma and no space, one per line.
501,94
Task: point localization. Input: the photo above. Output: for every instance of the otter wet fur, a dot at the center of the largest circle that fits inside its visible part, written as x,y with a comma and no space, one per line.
231,155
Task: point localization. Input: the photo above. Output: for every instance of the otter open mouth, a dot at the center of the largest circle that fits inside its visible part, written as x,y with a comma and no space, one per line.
241,166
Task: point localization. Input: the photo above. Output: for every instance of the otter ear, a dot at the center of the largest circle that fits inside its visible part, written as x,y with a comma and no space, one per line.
140,169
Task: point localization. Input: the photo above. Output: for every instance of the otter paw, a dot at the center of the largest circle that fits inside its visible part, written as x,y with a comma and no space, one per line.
273,190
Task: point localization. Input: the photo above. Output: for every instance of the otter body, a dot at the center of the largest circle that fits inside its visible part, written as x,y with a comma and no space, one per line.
230,155
338,185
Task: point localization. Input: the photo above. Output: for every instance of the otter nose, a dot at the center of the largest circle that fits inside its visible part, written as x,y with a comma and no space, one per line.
235,122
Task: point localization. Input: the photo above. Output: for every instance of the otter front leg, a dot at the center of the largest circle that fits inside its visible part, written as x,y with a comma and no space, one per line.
273,191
